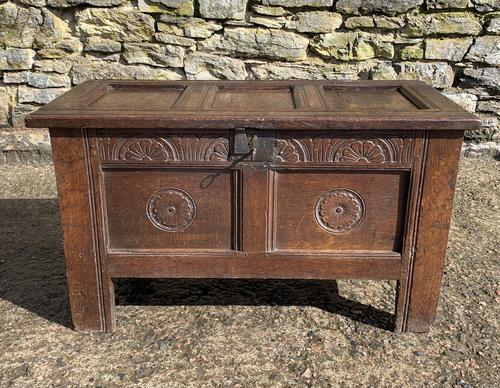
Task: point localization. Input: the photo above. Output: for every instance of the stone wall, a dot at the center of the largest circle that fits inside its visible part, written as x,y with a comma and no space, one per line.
48,45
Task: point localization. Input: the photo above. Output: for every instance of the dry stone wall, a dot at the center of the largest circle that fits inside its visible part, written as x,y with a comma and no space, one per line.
48,45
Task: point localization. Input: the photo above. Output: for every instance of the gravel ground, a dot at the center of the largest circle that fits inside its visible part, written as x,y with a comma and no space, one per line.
245,333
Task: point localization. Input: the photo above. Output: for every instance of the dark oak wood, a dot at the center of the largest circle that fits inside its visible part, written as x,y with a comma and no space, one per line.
90,287
313,180
418,310
241,265
299,105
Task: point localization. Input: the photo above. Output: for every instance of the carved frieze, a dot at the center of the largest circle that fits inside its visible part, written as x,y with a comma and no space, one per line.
359,150
175,148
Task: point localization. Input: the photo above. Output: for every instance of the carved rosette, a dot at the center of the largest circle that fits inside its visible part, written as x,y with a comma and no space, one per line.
171,209
339,210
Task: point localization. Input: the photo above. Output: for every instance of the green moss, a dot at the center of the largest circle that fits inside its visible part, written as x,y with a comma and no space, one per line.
411,52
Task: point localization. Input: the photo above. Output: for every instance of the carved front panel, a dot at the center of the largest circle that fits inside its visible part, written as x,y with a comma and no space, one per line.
342,210
344,150
164,148
198,191
168,210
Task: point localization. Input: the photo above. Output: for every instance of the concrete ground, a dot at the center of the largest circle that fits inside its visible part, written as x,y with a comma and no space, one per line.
245,333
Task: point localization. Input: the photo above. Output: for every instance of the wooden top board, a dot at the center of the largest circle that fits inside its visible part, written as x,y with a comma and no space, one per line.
301,105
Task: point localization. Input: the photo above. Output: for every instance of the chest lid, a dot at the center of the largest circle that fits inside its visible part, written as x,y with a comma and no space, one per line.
303,105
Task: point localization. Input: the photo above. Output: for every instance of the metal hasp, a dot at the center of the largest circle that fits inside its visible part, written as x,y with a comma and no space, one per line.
240,142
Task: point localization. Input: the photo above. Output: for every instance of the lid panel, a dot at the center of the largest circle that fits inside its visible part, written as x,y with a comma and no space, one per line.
388,99
131,97
300,105
253,99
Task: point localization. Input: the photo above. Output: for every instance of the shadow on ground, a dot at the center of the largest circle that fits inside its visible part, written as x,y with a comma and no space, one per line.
33,276
32,273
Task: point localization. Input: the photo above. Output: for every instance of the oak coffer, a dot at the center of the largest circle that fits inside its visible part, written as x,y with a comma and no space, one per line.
255,179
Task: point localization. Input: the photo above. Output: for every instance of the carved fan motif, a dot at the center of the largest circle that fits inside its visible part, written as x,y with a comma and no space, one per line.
219,151
171,209
286,152
324,149
362,152
339,210
144,149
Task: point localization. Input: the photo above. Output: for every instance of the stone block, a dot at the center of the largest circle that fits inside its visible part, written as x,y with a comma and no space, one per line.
411,52
19,26
488,77
258,42
97,44
369,7
204,66
490,106
449,49
314,71
74,3
86,69
174,7
438,74
358,46
154,54
270,11
16,59
388,23
123,24
38,80
360,22
315,21
5,104
467,101
190,27
299,3
267,21
458,23
227,9
61,66
27,94
444,4
486,5
486,49
493,26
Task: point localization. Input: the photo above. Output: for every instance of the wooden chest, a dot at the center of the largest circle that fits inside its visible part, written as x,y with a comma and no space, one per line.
296,179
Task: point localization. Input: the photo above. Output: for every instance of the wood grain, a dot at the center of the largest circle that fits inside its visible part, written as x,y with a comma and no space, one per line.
438,187
257,266
91,306
294,105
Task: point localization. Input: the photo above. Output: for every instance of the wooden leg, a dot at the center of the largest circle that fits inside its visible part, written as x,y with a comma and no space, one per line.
418,289
90,288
